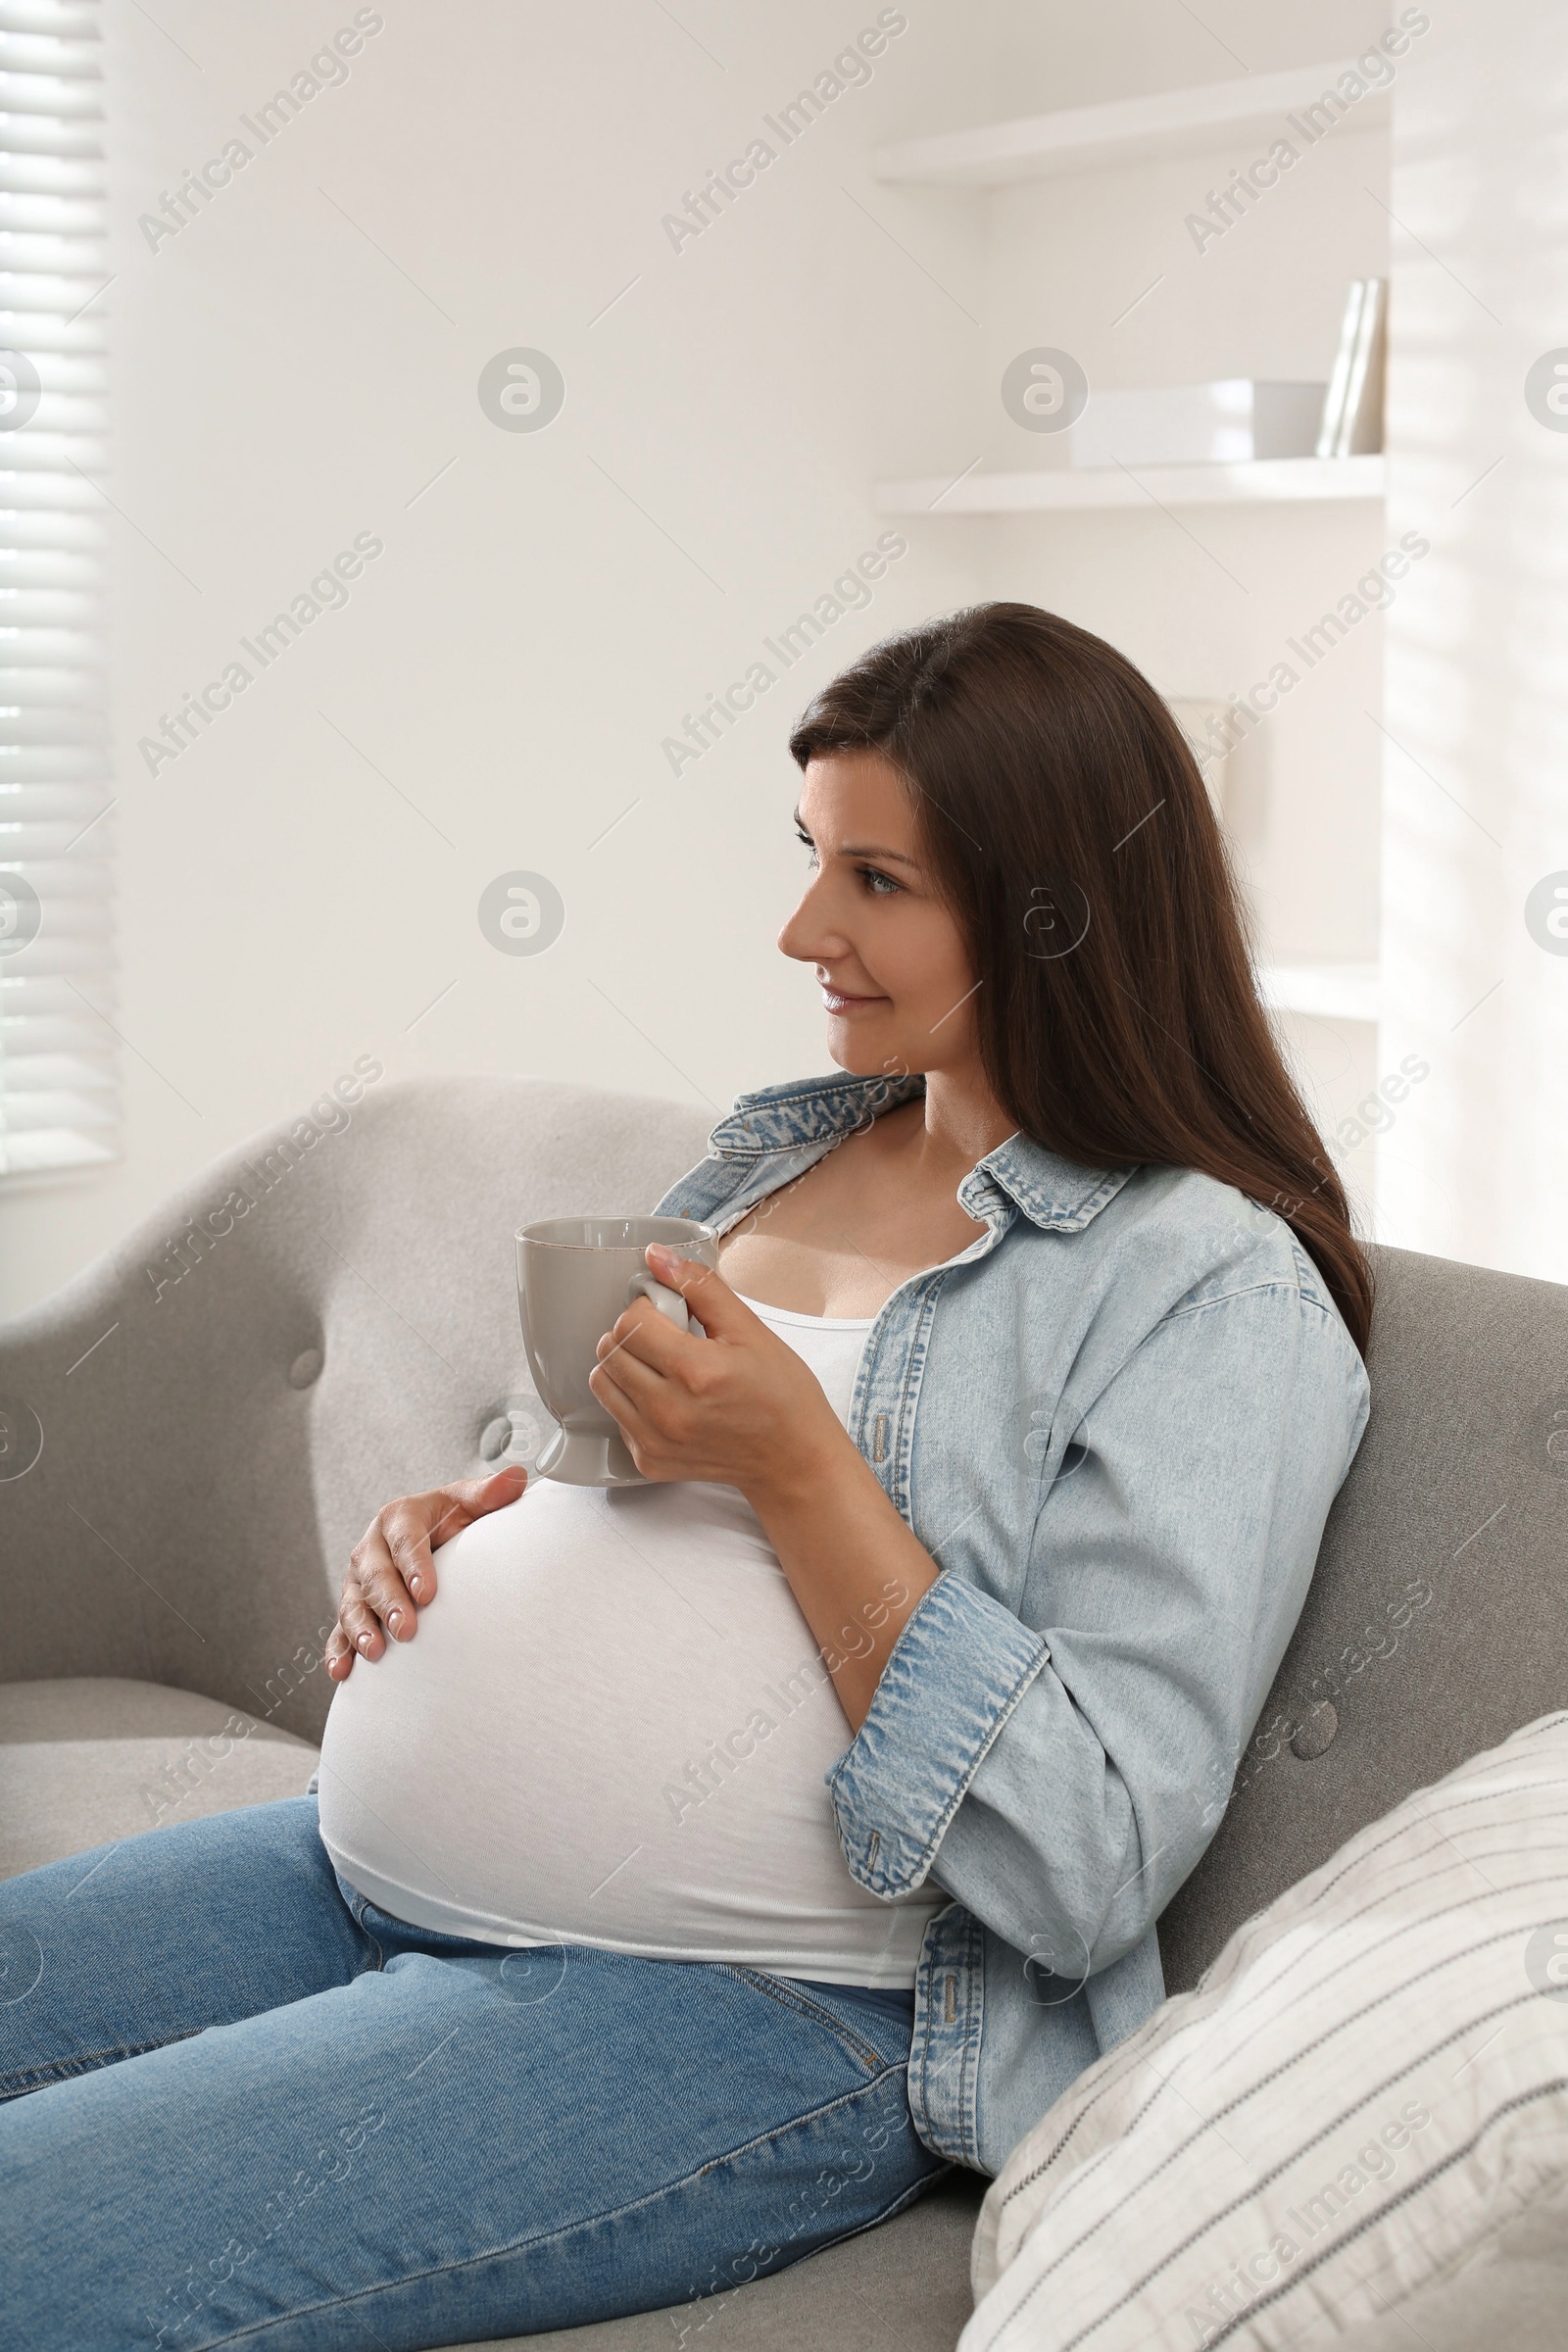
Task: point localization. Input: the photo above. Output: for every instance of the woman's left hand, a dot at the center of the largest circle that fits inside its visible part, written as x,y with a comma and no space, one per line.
735,1408
738,1409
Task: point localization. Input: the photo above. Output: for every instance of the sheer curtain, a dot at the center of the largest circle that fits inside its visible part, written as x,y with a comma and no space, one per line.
57,1084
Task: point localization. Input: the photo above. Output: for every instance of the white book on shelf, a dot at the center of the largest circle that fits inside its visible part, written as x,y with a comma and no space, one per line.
1339,381
1238,420
1360,431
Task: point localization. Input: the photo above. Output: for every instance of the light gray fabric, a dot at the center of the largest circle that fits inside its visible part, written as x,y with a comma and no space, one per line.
195,1509
1456,1489
187,1524
87,1759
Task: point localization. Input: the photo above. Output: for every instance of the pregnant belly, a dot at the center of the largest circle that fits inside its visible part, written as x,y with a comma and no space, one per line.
610,1728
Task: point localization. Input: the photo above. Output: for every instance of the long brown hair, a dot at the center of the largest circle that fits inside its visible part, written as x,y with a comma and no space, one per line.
1069,828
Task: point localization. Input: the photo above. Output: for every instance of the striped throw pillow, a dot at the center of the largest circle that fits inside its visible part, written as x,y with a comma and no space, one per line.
1371,2079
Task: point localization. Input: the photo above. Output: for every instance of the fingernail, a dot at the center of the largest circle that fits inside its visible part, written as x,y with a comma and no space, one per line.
417,1586
394,1618
362,1644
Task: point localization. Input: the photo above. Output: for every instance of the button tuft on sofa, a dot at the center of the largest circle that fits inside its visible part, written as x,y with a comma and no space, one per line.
1316,1731
495,1438
306,1369
20,1437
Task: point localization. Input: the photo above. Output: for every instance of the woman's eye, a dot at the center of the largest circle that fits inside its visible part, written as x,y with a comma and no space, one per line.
879,884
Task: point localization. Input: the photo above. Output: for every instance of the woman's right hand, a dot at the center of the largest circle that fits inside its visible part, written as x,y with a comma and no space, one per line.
391,1572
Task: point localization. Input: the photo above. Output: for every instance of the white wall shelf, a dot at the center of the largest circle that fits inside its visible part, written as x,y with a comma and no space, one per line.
1167,122
1335,992
1219,124
1261,481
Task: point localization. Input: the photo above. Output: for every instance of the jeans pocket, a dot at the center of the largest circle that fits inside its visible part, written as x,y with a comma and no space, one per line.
791,1995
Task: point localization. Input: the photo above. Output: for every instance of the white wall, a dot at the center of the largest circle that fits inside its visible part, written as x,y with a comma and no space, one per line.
1475,790
547,610
513,661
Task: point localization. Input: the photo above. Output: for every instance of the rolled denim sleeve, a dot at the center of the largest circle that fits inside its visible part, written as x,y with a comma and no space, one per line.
958,1668
1059,1768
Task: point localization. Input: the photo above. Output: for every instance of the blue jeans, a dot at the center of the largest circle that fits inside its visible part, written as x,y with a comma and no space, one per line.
259,2110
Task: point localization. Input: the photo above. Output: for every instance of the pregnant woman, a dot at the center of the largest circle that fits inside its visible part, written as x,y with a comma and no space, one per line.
699,1868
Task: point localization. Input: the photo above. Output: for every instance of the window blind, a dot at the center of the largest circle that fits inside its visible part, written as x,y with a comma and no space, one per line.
58,1104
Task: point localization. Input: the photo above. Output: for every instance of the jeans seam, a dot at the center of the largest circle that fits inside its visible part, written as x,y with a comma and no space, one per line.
357,1904
597,2221
788,1997
60,2070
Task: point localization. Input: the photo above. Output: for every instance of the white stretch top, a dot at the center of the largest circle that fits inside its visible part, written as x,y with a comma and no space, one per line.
612,1728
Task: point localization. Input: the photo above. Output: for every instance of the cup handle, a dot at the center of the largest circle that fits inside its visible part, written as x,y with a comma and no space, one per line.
670,1304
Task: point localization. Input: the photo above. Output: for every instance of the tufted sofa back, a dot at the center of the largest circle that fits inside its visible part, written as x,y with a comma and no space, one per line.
1438,1616
350,1336
224,1400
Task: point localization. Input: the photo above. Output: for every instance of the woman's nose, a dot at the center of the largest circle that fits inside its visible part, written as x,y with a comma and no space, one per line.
809,936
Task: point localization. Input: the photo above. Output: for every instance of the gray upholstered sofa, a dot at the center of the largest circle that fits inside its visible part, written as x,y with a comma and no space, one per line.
196,1430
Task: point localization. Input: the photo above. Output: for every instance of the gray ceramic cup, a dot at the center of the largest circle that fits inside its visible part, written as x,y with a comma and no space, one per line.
575,1277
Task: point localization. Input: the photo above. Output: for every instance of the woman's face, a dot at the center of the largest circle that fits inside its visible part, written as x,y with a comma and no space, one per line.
897,983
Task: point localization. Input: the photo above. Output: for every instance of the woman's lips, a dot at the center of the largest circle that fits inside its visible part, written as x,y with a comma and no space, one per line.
834,999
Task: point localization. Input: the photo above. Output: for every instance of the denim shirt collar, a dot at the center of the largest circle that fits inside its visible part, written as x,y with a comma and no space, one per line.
1060,1195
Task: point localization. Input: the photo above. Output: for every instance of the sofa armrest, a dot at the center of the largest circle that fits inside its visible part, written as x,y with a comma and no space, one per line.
157,1511
67,1605
322,1320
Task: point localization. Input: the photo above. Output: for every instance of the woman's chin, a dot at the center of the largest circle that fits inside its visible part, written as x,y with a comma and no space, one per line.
857,1049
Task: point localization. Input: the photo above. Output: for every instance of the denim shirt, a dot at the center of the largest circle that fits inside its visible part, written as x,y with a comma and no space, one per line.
1116,1422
